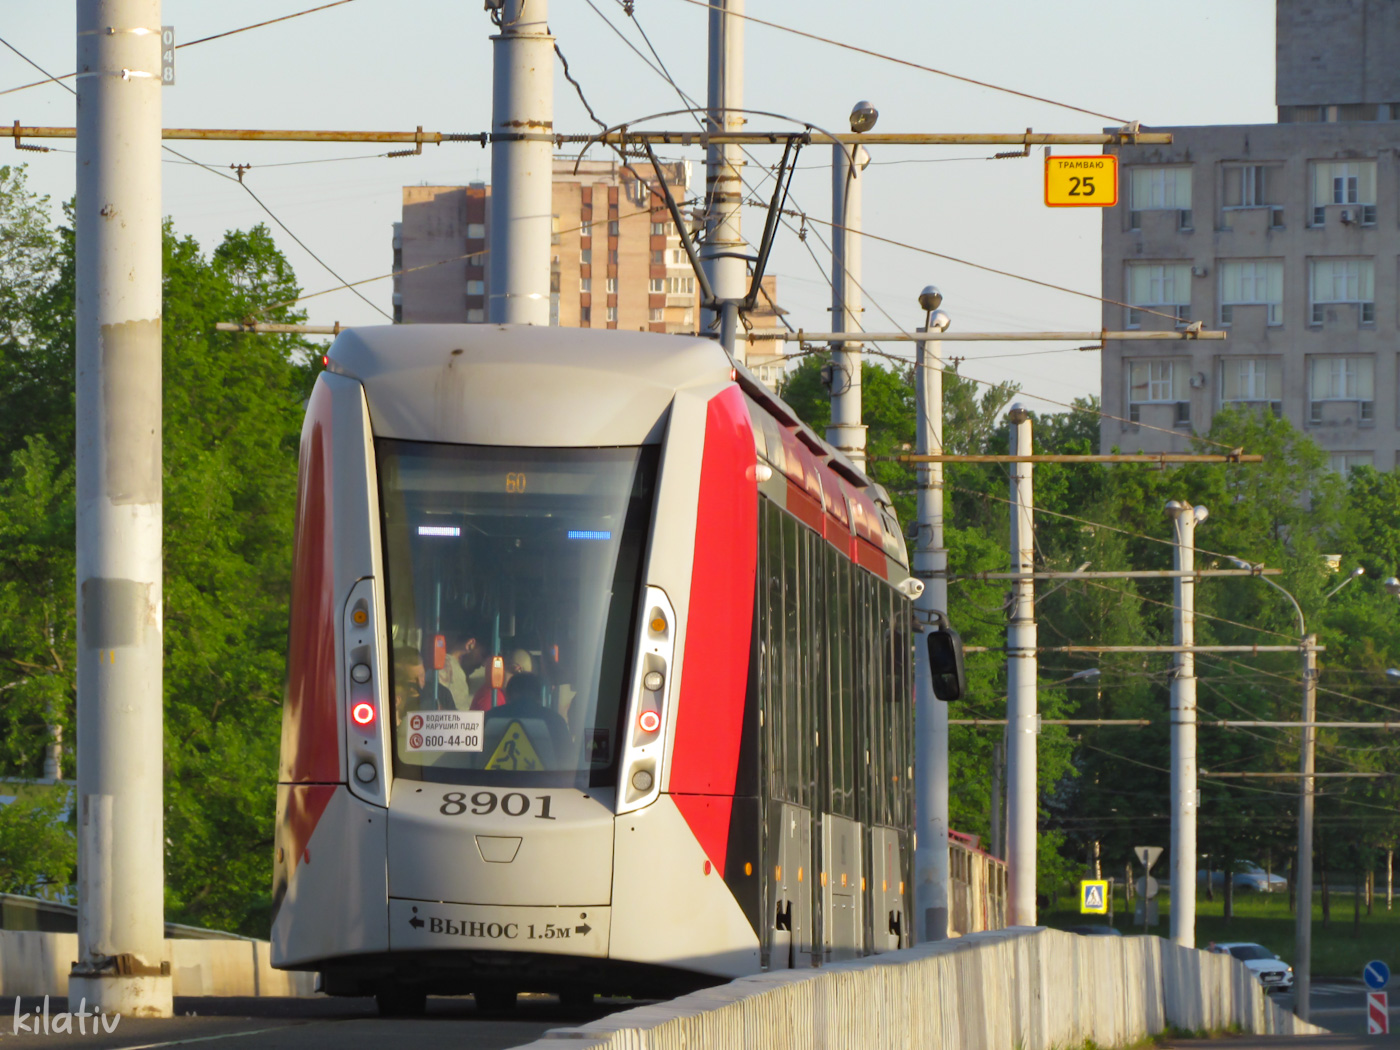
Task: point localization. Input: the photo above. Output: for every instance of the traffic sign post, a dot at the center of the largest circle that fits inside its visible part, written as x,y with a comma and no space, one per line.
1377,1013
1093,897
1146,912
1081,182
1376,974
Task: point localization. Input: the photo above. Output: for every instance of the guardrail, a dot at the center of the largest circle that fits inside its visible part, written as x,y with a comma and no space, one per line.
1030,988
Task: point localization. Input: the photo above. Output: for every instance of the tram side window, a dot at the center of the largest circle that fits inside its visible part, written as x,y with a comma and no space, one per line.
901,724
877,618
840,709
797,739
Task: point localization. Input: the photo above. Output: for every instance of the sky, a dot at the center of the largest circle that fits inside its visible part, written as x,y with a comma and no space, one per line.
382,65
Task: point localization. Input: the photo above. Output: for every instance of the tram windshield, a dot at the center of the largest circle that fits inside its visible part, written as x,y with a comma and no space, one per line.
512,583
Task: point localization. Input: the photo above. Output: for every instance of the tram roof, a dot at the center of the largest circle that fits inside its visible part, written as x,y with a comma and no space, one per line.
523,384
541,386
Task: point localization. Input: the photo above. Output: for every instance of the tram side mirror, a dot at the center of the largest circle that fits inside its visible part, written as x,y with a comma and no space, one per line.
945,663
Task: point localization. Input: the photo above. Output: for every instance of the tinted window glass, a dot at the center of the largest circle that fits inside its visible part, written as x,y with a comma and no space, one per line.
512,583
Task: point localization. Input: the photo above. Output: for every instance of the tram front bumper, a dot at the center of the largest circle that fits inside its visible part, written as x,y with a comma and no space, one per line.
418,925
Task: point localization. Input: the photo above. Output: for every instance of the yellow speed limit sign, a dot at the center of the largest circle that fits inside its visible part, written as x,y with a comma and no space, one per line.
1081,182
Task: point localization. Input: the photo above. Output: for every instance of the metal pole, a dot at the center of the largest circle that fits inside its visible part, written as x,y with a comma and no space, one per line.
722,253
1021,675
522,166
118,226
1389,878
1302,964
846,431
930,714
997,849
1183,732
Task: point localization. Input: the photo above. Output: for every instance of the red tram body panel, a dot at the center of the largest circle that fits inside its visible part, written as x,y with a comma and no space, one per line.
599,674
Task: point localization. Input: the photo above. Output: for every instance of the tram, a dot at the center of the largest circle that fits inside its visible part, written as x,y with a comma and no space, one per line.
599,677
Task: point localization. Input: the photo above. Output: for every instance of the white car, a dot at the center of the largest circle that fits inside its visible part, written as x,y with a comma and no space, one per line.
1248,876
1273,973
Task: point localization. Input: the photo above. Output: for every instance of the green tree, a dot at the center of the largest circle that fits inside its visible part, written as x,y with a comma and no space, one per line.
232,415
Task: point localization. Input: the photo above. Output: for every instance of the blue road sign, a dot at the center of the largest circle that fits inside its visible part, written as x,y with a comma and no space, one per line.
1376,974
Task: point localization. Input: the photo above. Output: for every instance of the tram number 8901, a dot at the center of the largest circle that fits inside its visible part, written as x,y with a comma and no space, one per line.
512,804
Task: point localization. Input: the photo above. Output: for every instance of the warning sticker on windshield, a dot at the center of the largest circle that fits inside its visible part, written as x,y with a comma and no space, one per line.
446,731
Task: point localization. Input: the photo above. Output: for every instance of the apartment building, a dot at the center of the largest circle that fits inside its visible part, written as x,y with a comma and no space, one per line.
616,259
1286,236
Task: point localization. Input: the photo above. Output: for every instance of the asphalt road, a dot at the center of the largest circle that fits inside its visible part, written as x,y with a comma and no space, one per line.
1339,1005
301,1024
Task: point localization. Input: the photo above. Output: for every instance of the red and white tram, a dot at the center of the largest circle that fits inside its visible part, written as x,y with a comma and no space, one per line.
599,675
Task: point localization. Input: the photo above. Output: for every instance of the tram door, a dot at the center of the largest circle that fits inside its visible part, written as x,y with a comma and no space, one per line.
841,884
786,655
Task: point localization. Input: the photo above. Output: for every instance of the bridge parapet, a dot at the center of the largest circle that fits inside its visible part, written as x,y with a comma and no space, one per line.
1025,987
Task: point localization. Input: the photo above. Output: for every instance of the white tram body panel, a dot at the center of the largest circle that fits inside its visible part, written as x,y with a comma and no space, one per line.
603,822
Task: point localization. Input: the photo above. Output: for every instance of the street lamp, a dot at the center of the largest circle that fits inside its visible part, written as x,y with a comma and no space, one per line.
1391,584
1302,964
1358,571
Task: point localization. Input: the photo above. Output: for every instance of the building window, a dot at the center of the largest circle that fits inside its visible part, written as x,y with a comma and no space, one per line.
585,315
1161,287
612,314
658,256
1159,189
656,285
476,287
476,231
1344,463
612,256
1341,379
661,229
678,257
1334,281
585,284
1349,183
612,227
1253,381
586,228
1251,282
1160,383
554,230
585,256
656,313
612,285
476,315
1254,186
680,285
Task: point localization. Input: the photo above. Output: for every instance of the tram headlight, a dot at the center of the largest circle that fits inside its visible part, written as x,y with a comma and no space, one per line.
362,714
365,772
641,780
653,681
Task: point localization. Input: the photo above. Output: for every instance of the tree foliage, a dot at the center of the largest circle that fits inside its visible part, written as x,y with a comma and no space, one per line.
232,415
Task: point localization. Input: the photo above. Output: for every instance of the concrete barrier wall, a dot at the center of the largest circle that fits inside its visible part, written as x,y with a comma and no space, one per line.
1032,989
35,963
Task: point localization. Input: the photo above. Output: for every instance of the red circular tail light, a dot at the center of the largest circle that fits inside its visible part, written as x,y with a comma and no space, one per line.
650,721
362,713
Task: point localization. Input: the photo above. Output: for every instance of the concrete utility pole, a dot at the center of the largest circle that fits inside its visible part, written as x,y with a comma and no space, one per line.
846,431
1302,963
931,566
121,906
1183,732
522,163
1021,678
722,253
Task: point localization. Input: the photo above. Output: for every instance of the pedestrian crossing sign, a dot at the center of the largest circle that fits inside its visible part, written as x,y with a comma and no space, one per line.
1093,897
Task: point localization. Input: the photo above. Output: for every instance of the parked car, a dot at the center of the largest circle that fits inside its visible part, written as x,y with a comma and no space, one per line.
1273,973
1249,877
1094,930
